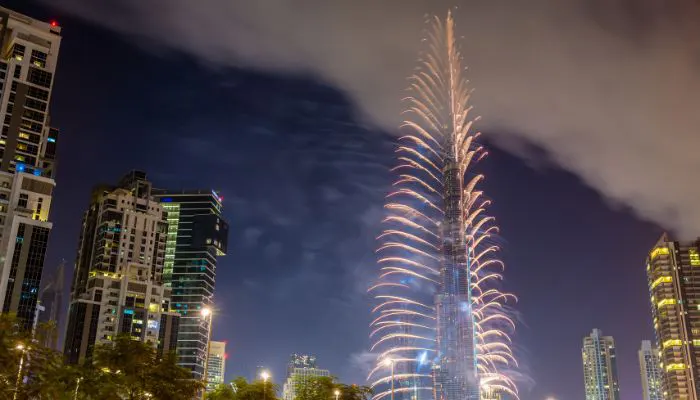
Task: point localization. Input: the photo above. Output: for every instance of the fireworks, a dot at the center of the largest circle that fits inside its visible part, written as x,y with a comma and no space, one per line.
440,317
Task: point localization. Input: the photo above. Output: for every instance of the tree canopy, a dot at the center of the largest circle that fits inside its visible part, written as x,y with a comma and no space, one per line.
124,369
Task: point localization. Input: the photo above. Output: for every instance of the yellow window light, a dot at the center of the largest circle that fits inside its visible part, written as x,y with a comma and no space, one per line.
672,342
696,342
658,251
675,367
666,302
660,280
694,257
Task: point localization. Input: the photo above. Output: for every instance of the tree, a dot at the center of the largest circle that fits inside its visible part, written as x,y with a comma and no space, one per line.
354,392
222,392
130,369
314,388
257,390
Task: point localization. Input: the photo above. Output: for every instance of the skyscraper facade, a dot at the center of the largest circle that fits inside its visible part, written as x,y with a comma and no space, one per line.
300,368
673,272
118,283
216,364
27,157
52,304
650,368
441,327
600,367
196,236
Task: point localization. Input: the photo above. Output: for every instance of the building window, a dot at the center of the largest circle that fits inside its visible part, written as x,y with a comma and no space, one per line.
38,58
18,51
18,71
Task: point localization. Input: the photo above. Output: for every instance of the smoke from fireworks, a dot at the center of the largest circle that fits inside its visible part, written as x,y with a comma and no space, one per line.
438,133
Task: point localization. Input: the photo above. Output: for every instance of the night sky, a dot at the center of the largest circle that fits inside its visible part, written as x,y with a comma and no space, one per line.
303,176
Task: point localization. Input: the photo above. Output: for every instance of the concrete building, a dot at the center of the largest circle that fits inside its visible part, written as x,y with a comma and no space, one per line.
300,368
673,272
118,283
600,367
27,157
196,236
216,364
650,369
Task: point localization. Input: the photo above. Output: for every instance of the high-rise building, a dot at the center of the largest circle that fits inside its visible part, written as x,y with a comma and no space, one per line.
52,306
650,368
440,326
600,367
196,236
673,271
216,364
27,157
118,283
300,368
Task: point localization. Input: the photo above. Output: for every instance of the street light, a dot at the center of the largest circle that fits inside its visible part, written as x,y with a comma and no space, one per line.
390,362
336,393
265,376
23,349
207,315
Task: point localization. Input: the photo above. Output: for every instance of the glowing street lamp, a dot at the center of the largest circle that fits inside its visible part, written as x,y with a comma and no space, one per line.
265,376
336,393
390,362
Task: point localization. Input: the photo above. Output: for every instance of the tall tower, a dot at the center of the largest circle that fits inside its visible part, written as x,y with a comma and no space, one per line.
216,364
600,367
650,368
118,278
28,56
196,236
441,325
53,307
673,271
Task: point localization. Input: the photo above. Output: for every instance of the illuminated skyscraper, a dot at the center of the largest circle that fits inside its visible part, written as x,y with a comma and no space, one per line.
650,371
673,271
441,326
301,367
28,57
216,364
600,367
197,236
118,278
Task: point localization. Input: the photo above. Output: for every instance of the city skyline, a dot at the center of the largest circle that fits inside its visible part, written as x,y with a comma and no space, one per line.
265,248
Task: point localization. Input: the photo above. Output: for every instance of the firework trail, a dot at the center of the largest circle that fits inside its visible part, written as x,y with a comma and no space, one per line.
441,327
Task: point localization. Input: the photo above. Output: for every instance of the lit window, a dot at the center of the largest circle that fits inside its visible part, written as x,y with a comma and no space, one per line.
24,135
665,302
660,280
19,158
658,251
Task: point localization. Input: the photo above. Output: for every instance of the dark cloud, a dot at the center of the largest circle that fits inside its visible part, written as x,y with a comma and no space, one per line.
608,88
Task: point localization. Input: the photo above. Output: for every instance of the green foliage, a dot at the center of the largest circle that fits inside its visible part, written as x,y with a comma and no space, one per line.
222,392
354,392
257,390
314,388
325,388
130,369
124,369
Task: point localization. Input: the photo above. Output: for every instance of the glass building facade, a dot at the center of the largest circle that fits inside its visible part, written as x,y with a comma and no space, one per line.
196,236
